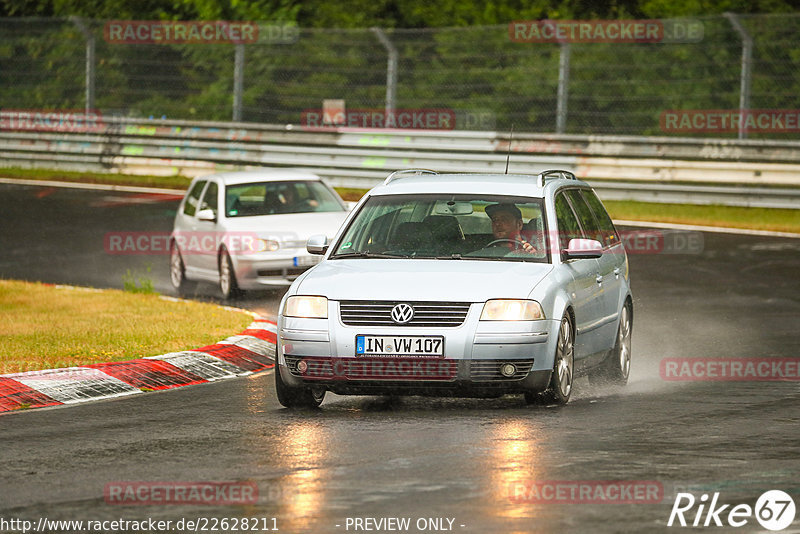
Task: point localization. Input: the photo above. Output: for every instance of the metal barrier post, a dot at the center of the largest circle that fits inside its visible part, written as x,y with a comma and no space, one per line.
391,70
238,82
563,88
90,75
747,62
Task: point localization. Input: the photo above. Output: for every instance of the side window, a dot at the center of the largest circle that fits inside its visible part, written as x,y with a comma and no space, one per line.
590,226
609,233
568,227
210,199
193,198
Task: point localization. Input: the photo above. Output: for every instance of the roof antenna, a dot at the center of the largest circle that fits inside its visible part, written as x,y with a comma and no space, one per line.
510,139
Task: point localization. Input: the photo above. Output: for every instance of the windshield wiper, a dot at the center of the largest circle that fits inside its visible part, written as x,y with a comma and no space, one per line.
365,254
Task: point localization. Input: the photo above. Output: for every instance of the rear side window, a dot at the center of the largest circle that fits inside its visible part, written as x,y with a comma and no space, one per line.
192,199
568,227
590,225
607,230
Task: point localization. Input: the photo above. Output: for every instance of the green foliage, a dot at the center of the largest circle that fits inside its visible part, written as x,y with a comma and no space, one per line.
459,56
138,283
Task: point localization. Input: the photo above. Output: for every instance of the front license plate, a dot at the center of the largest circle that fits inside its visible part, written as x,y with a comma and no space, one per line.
305,261
420,346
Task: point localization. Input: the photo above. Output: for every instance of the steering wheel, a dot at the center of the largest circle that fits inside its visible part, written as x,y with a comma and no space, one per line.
505,240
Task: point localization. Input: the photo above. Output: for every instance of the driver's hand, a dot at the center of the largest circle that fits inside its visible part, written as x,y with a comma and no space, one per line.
527,247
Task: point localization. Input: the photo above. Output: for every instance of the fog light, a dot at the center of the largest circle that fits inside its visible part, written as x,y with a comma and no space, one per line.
508,369
302,367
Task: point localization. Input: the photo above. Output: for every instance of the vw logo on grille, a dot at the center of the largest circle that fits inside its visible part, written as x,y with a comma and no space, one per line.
402,313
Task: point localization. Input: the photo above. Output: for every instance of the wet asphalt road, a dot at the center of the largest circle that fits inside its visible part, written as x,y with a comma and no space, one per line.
419,458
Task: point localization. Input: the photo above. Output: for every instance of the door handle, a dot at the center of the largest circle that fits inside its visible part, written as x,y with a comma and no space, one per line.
616,272
599,279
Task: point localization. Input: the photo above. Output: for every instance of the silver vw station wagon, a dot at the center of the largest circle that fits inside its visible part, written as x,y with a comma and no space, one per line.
474,285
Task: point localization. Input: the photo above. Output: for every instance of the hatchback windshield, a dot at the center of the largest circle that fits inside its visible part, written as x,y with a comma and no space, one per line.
447,226
268,198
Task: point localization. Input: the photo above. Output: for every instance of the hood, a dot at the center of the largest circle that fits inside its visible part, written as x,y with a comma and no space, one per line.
294,228
405,279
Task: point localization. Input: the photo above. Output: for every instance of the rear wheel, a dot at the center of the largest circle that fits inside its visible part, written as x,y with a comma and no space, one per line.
177,271
297,397
561,379
227,277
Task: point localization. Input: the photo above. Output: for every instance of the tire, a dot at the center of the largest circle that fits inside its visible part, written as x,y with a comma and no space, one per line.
177,271
560,388
294,397
227,277
616,368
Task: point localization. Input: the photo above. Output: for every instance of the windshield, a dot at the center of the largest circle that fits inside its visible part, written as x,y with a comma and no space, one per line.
447,226
268,198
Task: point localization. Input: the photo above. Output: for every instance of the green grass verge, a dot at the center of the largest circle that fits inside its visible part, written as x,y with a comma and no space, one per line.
167,182
777,220
780,220
44,327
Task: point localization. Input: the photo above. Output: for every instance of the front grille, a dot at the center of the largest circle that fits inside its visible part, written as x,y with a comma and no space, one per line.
372,369
282,272
426,314
489,370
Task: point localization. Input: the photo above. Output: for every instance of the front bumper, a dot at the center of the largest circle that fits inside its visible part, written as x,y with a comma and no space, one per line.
474,355
280,269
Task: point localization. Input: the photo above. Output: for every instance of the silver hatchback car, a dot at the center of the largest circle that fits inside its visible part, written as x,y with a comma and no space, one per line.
248,229
461,285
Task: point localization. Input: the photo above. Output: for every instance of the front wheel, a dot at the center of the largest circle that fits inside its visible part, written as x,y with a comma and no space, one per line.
177,271
616,369
297,397
227,277
561,380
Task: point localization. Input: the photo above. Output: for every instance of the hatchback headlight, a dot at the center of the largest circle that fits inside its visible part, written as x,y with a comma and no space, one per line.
305,306
511,310
266,245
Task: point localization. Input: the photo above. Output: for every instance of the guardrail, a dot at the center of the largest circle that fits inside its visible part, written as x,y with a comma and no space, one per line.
361,158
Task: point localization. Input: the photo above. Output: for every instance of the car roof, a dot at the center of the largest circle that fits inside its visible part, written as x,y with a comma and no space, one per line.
262,175
526,185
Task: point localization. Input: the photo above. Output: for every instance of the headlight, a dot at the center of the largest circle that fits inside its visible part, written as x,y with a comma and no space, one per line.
266,245
511,310
303,306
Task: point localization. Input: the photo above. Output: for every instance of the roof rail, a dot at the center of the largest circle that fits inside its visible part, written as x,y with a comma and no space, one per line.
554,173
406,172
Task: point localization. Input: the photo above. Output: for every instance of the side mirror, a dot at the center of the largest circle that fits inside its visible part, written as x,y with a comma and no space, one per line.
317,244
206,215
583,248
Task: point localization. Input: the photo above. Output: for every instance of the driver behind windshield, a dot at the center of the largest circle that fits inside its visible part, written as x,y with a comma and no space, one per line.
506,227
